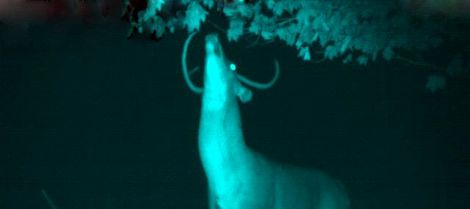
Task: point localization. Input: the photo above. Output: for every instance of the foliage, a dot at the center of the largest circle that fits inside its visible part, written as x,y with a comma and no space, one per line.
351,30
435,83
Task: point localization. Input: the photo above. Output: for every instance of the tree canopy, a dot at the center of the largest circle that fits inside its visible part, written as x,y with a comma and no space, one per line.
352,31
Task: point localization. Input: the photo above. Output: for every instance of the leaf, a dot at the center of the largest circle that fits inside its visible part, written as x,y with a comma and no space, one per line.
267,35
154,24
152,7
348,59
288,34
240,9
195,15
158,26
304,52
262,24
208,3
270,3
346,44
235,29
172,24
362,60
278,8
388,53
305,16
435,83
331,52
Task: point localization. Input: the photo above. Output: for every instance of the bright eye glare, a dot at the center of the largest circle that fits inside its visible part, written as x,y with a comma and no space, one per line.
233,67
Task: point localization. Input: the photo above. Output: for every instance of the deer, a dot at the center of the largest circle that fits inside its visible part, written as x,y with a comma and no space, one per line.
239,177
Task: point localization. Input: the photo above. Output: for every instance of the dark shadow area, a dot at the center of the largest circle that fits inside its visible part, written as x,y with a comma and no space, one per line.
99,121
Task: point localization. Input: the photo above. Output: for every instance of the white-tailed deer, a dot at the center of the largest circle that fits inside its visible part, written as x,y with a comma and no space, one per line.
239,177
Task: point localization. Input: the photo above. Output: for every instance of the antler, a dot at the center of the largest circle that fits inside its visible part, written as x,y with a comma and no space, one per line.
262,86
187,79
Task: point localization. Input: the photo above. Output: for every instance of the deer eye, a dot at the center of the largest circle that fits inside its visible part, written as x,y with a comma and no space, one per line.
232,67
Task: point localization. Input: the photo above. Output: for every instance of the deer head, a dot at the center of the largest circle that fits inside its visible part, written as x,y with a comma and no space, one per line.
221,80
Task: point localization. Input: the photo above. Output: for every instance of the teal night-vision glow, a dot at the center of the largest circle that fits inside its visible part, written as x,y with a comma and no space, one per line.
238,177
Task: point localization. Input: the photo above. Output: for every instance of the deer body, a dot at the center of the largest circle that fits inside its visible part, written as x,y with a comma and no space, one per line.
238,177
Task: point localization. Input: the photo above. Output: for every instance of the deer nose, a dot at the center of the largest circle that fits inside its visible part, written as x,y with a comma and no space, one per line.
210,48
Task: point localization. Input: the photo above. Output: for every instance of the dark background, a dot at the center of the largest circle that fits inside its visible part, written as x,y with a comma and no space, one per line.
99,121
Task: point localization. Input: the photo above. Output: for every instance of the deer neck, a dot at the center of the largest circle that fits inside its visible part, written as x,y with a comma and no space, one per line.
224,154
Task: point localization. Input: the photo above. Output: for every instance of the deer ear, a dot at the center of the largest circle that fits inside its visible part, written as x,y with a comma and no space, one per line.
244,94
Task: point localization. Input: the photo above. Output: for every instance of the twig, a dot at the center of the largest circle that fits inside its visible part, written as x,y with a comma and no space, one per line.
48,199
418,63
216,26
